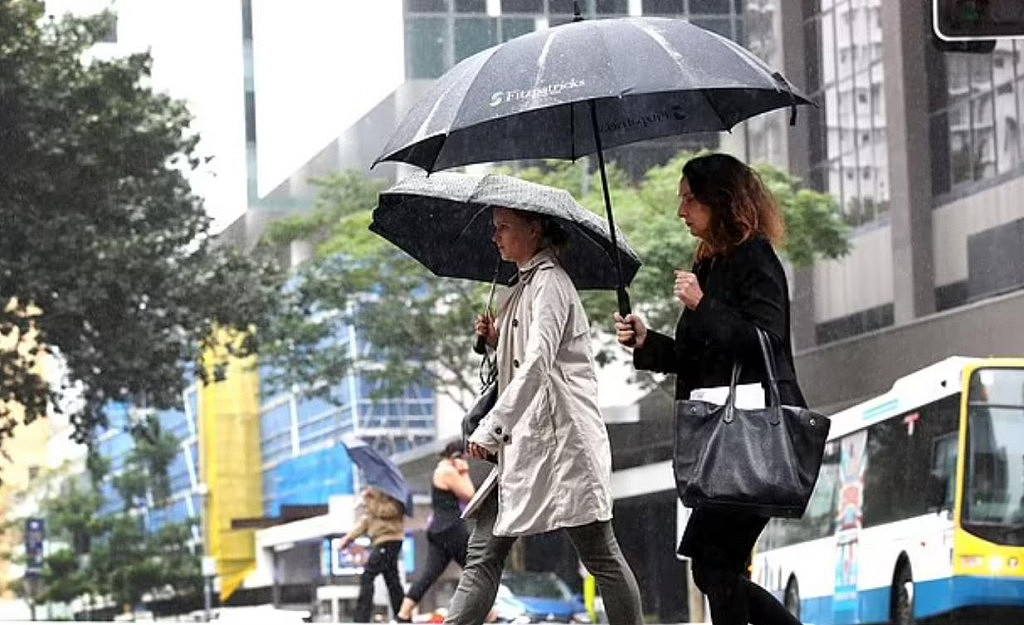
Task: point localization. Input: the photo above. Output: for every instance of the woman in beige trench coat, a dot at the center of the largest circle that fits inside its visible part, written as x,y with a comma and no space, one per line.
545,431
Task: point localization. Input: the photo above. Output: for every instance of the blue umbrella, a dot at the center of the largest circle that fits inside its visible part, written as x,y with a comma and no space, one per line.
379,471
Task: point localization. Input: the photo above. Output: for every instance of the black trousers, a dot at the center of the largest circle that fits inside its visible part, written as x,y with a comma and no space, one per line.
719,545
442,548
383,561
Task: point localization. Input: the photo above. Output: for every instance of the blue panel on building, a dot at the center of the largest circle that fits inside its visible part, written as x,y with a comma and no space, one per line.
308,480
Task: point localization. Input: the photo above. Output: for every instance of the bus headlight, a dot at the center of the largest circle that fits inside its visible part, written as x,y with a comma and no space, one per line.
995,564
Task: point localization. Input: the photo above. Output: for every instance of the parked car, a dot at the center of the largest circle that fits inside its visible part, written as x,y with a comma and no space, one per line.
539,598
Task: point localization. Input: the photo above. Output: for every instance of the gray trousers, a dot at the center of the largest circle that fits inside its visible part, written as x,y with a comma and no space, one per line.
597,548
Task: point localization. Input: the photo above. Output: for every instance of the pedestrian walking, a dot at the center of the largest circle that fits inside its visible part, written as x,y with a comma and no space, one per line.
545,432
736,286
447,534
381,520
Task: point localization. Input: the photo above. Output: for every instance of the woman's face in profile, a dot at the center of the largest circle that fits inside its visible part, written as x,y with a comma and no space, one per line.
517,239
695,215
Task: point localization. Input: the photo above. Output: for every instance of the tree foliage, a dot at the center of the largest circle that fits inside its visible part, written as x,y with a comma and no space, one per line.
101,556
420,326
106,258
414,320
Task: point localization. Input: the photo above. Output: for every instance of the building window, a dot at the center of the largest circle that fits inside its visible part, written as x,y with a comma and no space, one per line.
516,26
563,7
425,46
612,7
975,104
716,25
471,6
662,7
719,7
473,34
845,76
522,6
427,6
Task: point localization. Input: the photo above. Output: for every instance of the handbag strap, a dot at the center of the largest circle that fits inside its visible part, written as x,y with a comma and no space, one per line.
774,401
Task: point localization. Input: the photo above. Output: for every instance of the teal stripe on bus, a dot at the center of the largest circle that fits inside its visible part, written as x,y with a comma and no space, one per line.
874,411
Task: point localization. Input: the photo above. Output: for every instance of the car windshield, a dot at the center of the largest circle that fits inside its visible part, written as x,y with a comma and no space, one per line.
541,585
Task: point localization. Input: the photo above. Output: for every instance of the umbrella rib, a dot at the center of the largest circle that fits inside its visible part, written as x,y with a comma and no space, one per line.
479,73
711,105
462,103
469,223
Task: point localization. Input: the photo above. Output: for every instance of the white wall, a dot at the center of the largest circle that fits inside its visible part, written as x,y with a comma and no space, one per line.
320,65
859,281
197,56
955,221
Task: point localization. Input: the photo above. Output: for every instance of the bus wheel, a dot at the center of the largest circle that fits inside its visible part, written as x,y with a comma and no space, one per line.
903,596
792,598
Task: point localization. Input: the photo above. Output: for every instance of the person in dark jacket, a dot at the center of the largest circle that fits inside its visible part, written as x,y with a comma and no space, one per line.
447,535
736,285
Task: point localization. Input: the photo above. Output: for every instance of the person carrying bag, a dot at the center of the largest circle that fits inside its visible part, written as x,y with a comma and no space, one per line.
733,330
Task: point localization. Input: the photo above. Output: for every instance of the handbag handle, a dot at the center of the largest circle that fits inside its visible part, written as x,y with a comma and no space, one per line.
769,367
774,401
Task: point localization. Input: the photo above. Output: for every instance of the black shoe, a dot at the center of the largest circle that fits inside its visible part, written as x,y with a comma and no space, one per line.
399,619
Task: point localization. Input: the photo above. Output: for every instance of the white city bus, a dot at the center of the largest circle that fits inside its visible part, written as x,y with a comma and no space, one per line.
918,511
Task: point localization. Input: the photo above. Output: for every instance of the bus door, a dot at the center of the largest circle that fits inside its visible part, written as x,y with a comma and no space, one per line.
848,523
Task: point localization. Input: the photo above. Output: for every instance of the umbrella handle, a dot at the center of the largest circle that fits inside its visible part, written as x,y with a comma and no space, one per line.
624,309
481,341
623,297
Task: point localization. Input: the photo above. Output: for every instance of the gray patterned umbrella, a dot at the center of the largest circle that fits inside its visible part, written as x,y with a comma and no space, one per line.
444,221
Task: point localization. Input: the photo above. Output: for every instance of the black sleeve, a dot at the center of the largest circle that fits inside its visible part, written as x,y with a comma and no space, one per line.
761,301
657,354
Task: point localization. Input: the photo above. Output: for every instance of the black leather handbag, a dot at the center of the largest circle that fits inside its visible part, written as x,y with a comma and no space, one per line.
762,461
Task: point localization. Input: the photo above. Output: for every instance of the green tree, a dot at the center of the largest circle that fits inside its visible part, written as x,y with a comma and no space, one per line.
106,258
114,557
357,279
421,325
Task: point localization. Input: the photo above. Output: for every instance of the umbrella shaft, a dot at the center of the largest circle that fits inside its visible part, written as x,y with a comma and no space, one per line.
623,297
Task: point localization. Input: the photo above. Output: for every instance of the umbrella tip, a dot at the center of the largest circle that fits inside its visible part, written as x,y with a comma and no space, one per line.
576,15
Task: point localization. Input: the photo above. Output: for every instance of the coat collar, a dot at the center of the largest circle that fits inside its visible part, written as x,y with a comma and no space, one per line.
544,259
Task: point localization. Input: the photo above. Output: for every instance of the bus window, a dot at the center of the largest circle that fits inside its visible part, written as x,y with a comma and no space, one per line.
944,471
994,480
901,461
818,520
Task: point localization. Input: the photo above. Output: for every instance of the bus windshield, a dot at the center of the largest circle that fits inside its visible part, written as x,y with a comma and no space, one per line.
994,479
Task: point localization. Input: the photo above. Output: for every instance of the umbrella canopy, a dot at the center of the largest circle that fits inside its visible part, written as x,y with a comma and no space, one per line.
444,221
379,471
531,97
571,90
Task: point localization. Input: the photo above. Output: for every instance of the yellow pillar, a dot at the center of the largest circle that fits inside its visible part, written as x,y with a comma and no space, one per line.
231,465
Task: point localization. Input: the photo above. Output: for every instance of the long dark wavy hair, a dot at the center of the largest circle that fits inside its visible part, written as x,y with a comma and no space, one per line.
741,206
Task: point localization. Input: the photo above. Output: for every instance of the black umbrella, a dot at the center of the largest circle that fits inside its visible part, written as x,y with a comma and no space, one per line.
444,221
575,89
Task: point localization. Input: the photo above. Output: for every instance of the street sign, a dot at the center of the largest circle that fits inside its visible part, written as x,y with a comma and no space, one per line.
35,535
209,566
971,20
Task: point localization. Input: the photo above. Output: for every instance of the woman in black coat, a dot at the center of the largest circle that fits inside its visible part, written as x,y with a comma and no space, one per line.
737,284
